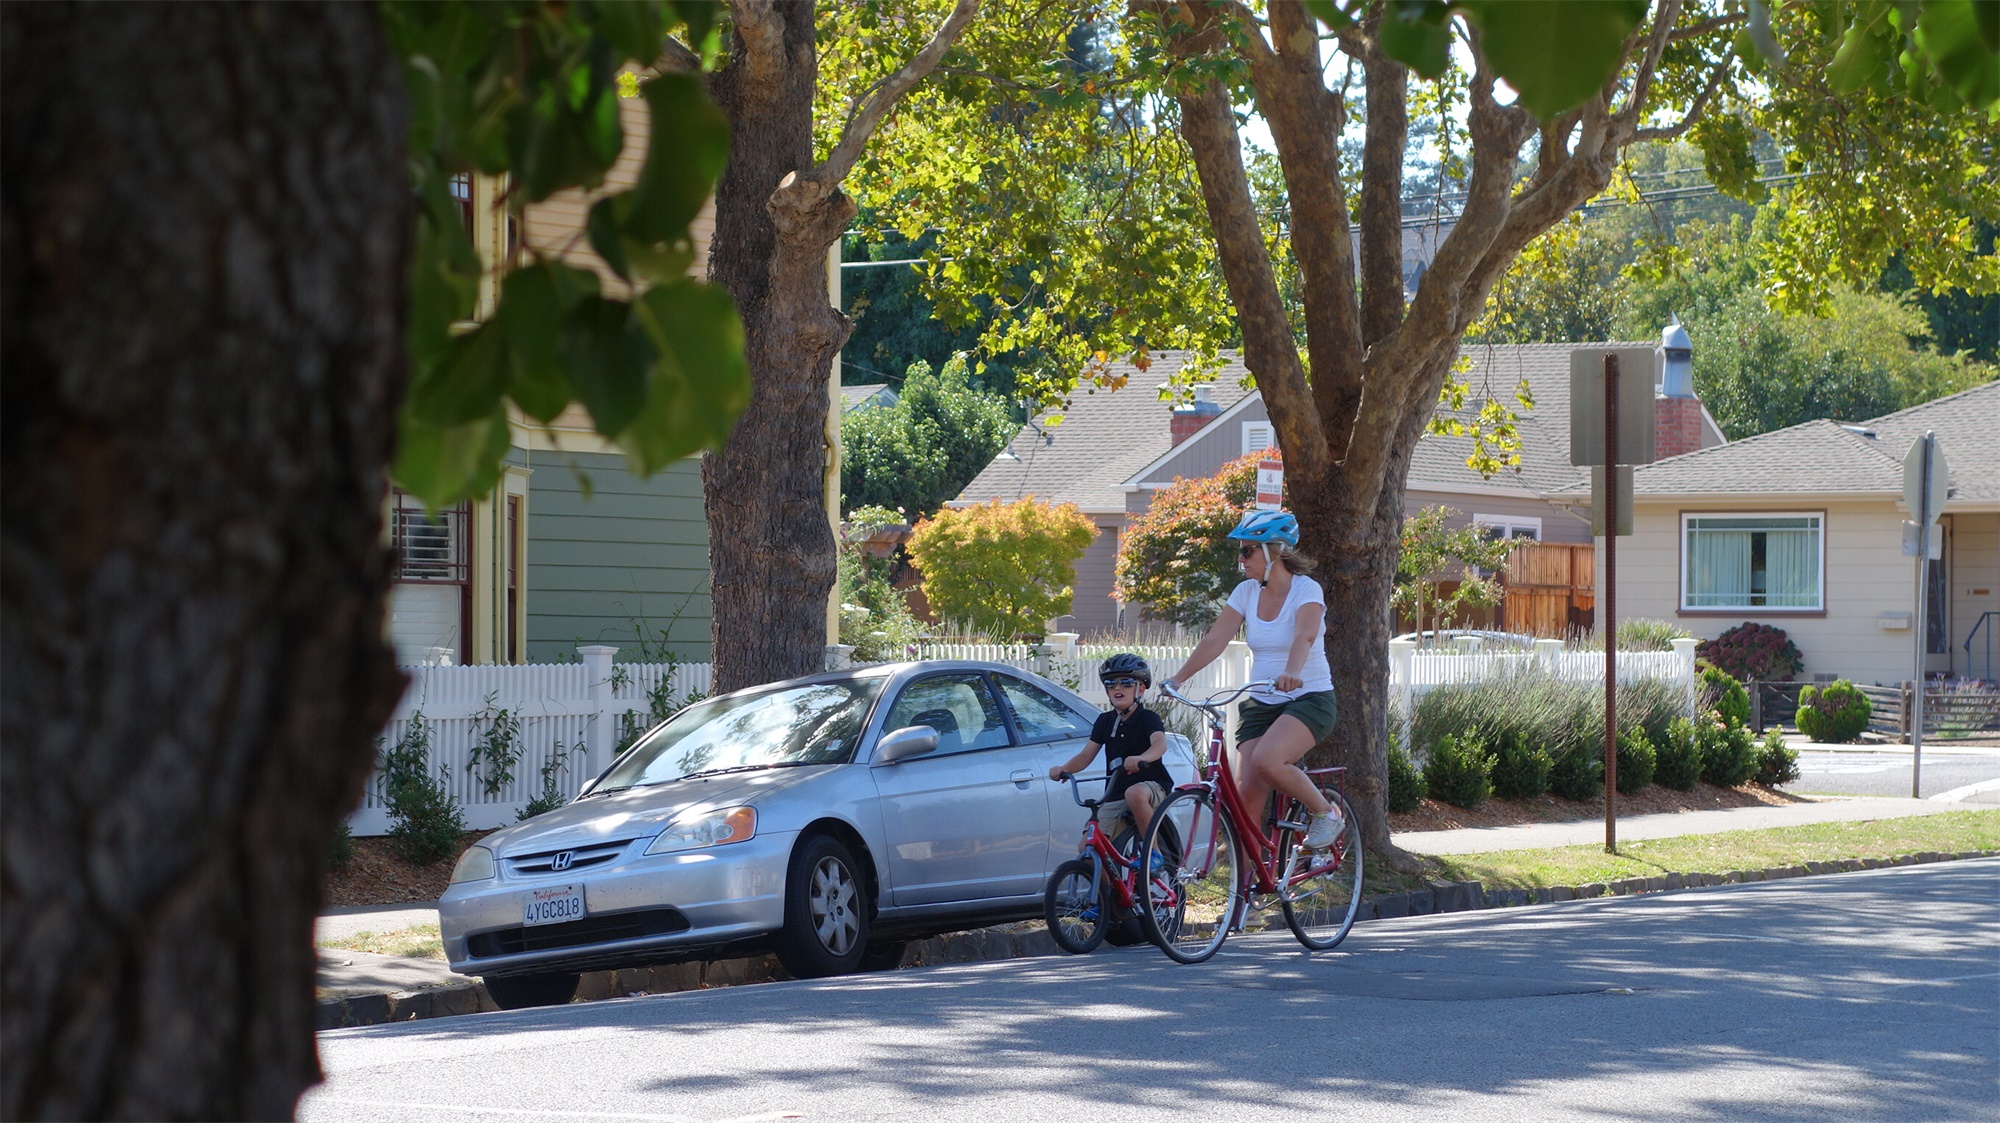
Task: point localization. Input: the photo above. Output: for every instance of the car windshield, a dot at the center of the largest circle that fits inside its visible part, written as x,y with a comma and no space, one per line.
816,724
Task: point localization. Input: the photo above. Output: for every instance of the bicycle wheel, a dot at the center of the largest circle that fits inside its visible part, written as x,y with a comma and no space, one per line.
1322,889
1194,895
1073,908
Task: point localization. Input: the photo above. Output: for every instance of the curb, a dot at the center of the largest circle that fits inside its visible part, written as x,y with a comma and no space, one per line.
1028,938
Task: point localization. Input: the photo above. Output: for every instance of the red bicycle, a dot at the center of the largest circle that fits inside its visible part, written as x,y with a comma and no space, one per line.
1231,860
1096,894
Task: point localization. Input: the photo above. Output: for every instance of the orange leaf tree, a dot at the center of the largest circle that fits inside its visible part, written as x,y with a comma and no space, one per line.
1175,560
1003,568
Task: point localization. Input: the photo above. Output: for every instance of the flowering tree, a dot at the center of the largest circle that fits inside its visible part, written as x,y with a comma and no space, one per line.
1175,561
1003,568
1431,552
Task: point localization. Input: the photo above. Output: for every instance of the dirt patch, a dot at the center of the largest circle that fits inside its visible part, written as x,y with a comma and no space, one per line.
1434,815
377,876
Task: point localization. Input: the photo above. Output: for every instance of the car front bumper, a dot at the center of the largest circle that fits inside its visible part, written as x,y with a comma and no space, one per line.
722,895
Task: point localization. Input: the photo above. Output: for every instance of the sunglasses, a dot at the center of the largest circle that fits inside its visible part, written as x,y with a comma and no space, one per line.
1244,553
1127,683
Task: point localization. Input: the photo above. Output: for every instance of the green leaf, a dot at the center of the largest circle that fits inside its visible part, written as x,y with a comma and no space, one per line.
1329,13
531,312
1958,36
607,357
700,16
1422,46
684,155
602,226
1555,53
467,384
1861,56
700,382
445,464
633,27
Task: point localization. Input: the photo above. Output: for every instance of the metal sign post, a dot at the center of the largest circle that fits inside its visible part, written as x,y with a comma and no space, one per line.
1611,607
1925,482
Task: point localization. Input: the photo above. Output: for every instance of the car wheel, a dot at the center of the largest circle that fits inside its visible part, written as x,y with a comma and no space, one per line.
519,992
826,921
885,955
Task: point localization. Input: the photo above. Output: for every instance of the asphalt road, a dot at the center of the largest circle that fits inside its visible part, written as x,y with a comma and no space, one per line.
1887,772
1871,995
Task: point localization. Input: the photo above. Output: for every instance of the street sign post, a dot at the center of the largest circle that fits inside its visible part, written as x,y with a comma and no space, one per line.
1926,480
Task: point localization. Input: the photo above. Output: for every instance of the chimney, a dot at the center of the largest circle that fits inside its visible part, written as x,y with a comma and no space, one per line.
1676,411
1188,420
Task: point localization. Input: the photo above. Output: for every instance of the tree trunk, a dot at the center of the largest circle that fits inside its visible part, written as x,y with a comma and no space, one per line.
206,215
771,550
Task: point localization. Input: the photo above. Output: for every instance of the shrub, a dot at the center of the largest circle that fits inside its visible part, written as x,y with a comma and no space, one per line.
1636,760
1459,770
1836,713
1776,763
1677,759
340,851
1641,635
1520,767
1407,787
1651,704
1718,690
1578,772
923,450
1728,754
551,796
1176,560
1005,567
1753,651
426,823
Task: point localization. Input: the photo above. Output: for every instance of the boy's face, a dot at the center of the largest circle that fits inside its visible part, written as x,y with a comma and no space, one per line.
1123,692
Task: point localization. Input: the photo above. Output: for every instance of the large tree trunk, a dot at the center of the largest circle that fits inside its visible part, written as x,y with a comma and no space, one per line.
771,549
205,223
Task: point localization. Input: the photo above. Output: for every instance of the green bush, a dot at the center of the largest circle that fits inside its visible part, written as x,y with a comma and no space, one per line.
1677,758
1776,763
340,851
1520,767
1728,754
1407,787
1719,691
1640,635
1836,713
1459,770
1578,773
1636,760
426,823
1651,705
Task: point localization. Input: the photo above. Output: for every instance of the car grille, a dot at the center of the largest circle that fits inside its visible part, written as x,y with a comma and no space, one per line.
581,858
577,933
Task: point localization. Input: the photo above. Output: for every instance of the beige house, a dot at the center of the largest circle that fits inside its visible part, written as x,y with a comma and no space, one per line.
1801,528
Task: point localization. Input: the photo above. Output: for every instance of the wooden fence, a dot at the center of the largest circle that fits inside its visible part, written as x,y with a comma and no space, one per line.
1551,590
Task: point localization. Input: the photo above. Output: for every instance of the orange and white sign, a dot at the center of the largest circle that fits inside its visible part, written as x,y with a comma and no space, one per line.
1270,485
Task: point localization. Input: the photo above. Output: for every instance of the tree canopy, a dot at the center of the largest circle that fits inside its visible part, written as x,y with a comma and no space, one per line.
920,452
1004,569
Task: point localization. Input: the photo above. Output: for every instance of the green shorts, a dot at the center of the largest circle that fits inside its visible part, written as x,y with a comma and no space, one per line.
1316,710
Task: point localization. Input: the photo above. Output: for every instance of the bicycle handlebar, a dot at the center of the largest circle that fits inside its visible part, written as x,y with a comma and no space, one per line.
1216,701
1076,793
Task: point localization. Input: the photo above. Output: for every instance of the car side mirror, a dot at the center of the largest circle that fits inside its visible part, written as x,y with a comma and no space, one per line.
904,743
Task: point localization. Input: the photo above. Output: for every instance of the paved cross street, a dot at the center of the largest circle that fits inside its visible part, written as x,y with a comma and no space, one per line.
1861,996
1968,774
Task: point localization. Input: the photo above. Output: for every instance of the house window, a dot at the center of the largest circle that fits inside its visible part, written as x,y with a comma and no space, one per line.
430,603
1258,436
1770,561
1507,527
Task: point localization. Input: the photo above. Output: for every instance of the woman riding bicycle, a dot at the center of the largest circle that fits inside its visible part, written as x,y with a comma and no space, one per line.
1283,611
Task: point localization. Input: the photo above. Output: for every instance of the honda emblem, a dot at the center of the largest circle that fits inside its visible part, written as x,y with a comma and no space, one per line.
562,860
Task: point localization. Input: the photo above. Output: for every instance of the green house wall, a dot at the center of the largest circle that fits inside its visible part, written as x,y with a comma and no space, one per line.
625,559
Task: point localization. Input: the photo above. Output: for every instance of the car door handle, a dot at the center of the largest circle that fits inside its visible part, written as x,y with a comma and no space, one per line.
1023,776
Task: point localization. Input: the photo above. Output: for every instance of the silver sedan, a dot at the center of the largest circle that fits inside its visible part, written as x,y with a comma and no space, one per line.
827,818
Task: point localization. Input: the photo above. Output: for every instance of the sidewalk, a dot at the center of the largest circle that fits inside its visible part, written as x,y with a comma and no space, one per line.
1672,824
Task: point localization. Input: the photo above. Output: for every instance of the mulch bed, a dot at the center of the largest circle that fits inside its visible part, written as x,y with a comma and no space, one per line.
1434,815
377,876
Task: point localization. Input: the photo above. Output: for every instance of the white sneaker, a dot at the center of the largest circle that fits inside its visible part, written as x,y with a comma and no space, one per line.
1324,829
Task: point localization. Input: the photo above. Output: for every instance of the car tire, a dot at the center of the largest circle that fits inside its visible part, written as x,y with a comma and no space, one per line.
885,955
520,992
826,919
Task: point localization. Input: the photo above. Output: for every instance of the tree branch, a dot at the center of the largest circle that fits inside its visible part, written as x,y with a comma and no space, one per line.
1626,120
862,125
1381,196
678,57
762,33
1696,108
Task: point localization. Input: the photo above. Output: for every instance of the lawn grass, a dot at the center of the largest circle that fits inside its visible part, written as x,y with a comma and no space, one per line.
419,941
1952,832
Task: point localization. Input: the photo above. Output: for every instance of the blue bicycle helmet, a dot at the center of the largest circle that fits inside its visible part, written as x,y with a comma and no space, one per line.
1267,526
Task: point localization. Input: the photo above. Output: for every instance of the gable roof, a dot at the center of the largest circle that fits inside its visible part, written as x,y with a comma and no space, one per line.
1827,458
1105,438
871,393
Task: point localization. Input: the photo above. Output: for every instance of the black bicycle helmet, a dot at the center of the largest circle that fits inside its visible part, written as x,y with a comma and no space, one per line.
1126,665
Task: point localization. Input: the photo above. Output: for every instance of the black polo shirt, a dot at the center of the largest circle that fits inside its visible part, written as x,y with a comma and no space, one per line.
1124,735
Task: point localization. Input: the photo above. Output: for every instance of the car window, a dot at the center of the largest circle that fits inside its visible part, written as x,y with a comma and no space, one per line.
785,727
1039,714
959,706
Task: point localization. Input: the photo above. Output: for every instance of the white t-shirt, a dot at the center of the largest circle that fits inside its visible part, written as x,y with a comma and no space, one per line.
1271,640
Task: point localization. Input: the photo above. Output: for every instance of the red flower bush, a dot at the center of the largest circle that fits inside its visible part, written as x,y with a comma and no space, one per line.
1753,651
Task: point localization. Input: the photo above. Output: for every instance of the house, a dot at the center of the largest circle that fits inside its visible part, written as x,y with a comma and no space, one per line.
1114,450
1801,528
873,395
570,547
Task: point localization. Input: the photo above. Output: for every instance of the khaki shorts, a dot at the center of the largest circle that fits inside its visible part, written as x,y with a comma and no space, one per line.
1316,710
1108,814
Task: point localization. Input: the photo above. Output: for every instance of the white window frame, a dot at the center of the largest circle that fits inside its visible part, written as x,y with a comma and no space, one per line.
1511,526
1686,561
1258,436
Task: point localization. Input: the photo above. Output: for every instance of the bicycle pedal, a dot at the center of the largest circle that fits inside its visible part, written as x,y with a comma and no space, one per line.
1289,825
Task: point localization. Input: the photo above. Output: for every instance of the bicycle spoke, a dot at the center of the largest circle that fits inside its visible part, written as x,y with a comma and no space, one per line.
1322,889
1191,901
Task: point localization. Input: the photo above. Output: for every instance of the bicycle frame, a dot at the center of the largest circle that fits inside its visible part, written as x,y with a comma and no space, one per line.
1103,854
1220,781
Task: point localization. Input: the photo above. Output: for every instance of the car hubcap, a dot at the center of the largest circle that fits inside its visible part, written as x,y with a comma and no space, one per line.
833,907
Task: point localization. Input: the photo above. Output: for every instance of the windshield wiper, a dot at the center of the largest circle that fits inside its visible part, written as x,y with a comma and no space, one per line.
748,768
608,791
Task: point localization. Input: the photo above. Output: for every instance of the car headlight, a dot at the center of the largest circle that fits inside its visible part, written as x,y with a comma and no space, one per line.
476,864
709,828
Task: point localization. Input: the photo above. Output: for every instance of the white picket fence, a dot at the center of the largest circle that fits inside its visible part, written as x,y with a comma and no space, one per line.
577,711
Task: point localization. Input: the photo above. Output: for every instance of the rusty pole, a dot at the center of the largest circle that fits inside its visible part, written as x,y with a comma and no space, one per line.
1611,604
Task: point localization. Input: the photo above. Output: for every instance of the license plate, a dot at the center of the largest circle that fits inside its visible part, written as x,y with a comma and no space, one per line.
557,904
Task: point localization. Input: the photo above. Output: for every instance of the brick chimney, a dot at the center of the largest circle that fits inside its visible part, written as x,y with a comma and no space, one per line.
1676,411
1188,420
